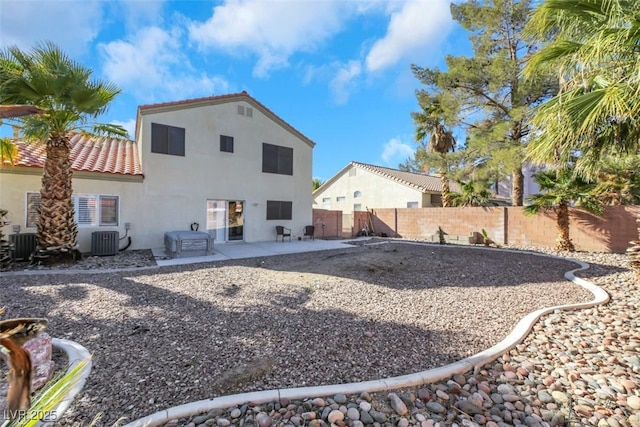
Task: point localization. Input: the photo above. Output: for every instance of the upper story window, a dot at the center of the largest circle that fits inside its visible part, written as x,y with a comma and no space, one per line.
357,194
277,159
340,199
226,143
413,205
167,139
326,202
89,209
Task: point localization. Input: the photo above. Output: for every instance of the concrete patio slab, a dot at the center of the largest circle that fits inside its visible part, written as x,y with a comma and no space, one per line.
239,250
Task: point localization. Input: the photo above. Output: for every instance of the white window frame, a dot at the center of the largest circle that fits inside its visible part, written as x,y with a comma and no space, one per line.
413,205
341,199
93,210
357,194
326,203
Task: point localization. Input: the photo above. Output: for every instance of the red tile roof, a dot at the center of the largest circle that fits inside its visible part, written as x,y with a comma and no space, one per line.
88,153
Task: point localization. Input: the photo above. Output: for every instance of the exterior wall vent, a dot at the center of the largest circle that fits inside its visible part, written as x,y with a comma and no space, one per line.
241,109
249,112
104,243
24,244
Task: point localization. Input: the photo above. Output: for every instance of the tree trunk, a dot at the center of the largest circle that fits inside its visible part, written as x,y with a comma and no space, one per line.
562,227
634,251
57,229
446,191
517,190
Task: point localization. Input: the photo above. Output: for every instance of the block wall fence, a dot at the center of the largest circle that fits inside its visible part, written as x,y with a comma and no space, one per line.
610,232
328,223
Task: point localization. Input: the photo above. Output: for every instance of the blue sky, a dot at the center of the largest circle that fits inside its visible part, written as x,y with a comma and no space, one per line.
337,70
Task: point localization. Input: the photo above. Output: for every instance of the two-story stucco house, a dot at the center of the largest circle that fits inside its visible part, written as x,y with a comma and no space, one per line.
226,163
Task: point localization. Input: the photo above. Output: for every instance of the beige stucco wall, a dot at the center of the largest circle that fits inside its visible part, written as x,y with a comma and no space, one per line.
376,192
16,182
177,188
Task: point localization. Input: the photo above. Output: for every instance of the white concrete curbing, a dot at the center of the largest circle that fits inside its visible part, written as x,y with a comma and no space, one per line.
75,354
517,335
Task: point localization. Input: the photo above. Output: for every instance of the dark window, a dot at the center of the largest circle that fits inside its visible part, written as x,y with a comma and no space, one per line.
277,159
167,139
109,210
226,143
33,204
279,210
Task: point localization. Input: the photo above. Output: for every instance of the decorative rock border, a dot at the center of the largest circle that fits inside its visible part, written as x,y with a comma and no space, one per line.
475,362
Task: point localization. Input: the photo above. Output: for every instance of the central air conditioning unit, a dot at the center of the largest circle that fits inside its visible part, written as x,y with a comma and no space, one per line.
24,244
104,243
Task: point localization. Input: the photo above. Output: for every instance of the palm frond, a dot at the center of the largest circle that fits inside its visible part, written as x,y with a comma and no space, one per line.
52,395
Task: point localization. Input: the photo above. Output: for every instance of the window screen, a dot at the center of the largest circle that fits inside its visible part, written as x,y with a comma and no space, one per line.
167,139
279,209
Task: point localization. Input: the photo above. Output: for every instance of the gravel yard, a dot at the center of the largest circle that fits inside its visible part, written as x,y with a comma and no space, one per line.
165,337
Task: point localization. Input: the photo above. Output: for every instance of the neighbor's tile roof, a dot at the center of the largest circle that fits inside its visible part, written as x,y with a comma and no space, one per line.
88,153
420,181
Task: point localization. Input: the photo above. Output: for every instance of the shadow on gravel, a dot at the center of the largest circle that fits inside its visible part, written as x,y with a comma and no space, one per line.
161,338
157,348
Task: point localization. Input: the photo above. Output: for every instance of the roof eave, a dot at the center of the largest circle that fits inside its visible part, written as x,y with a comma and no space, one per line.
216,100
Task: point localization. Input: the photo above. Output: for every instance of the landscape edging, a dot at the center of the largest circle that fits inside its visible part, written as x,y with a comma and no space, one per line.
75,354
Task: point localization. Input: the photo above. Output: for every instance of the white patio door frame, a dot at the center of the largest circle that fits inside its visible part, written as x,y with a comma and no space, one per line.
218,215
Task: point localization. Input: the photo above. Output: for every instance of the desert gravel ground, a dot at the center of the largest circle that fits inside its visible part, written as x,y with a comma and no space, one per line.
168,336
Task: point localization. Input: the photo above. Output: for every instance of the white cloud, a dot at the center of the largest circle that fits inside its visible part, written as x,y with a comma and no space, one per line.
71,24
343,82
395,152
129,125
137,14
152,67
272,30
413,33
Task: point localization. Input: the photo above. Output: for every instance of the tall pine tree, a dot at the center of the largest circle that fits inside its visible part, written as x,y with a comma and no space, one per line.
485,95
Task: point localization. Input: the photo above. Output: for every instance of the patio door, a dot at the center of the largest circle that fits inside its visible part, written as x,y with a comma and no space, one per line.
225,220
235,223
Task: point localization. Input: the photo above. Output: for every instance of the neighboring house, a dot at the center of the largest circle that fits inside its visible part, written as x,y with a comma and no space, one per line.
225,162
360,186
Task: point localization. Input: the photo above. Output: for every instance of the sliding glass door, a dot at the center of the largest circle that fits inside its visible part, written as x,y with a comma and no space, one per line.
225,220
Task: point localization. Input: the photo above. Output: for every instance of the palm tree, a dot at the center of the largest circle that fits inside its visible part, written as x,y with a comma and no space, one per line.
618,181
45,77
593,49
317,183
472,193
558,190
430,123
8,150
